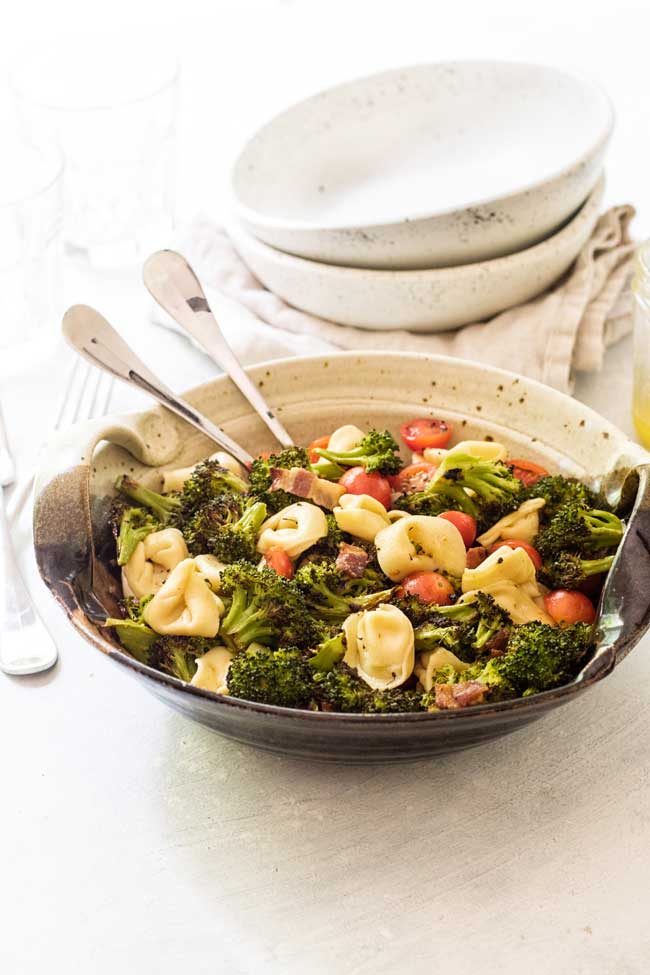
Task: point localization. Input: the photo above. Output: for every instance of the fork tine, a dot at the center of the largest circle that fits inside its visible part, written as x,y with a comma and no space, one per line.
79,411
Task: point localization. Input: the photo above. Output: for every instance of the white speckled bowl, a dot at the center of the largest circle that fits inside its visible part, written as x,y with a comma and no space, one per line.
421,301
428,166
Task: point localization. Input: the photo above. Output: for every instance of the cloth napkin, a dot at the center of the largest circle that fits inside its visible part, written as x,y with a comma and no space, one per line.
566,328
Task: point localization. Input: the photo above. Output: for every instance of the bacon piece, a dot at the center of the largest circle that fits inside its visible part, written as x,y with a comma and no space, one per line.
452,696
498,643
351,560
475,556
305,484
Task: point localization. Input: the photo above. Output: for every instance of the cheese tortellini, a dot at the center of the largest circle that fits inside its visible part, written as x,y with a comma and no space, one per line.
420,543
210,568
175,480
294,529
185,604
380,646
345,438
508,575
212,670
522,523
361,516
151,562
427,663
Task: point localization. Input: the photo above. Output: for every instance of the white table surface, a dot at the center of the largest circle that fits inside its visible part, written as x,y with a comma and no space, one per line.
134,841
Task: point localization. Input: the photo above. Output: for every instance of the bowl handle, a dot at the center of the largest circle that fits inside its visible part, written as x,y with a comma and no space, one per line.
625,601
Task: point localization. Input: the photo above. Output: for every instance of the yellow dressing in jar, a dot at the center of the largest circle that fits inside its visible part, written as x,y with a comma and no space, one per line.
641,383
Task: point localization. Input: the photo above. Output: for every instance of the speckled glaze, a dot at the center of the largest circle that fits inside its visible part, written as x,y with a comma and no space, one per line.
420,301
429,166
74,548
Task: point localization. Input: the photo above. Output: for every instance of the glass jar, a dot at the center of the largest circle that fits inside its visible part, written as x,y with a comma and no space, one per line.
641,384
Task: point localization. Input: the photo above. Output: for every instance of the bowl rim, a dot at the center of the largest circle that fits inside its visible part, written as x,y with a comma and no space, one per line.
258,217
92,633
494,265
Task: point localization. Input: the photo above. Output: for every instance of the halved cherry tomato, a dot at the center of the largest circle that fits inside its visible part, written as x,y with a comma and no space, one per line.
413,477
565,606
425,432
530,551
278,560
527,472
465,524
429,587
318,442
356,481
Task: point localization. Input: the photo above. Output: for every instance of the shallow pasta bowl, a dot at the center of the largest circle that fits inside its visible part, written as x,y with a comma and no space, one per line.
74,548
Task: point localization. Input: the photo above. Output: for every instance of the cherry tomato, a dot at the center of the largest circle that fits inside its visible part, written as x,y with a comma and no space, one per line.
278,560
530,551
264,454
425,432
413,477
429,587
565,606
319,442
465,524
527,472
356,481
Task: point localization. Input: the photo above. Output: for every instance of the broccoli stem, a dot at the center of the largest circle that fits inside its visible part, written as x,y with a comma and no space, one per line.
163,506
137,638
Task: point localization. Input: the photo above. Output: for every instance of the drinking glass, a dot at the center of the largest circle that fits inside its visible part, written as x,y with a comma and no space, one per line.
641,382
112,109
31,208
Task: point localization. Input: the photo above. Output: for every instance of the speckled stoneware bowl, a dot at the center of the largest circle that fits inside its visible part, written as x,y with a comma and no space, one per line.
74,548
426,166
421,301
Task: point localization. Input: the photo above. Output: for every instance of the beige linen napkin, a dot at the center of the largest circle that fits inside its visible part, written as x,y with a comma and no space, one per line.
566,328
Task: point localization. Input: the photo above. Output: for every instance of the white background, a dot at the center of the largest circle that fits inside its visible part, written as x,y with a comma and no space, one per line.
132,841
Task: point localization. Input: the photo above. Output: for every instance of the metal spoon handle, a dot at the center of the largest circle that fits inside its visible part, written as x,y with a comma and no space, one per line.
91,335
174,285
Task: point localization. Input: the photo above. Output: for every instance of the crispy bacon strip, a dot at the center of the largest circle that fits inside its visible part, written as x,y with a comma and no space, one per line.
475,556
306,485
351,560
462,695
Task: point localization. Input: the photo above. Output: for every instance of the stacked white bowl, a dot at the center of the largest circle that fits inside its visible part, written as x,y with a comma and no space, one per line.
424,198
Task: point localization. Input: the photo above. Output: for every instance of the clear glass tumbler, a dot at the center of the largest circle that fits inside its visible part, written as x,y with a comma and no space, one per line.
113,112
641,387
31,210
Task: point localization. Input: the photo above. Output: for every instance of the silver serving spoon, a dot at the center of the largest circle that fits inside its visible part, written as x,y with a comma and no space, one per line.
174,285
91,335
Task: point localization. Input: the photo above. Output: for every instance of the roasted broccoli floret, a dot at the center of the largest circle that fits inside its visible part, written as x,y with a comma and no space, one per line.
262,607
378,451
495,490
464,628
280,677
177,654
135,525
569,571
227,528
583,530
332,596
539,657
261,477
340,689
136,637
208,480
165,507
132,632
329,653
395,701
558,491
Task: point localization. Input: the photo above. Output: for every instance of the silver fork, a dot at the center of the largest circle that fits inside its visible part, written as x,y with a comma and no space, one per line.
26,647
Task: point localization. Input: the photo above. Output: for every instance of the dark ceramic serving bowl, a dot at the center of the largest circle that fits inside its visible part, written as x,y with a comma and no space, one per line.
74,548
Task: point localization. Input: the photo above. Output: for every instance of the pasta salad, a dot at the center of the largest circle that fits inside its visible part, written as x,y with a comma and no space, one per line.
338,578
